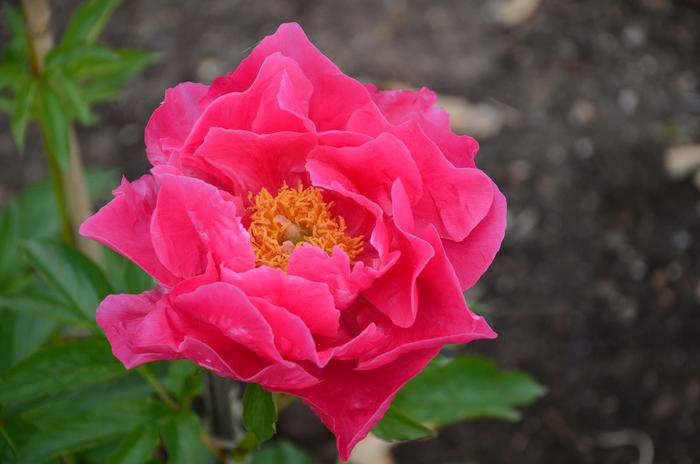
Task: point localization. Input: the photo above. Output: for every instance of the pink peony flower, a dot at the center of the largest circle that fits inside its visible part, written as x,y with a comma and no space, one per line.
308,233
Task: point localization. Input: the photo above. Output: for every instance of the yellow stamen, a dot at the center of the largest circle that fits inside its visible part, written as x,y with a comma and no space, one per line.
293,217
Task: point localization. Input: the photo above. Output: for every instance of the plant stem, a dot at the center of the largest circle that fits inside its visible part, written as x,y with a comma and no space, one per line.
70,191
159,389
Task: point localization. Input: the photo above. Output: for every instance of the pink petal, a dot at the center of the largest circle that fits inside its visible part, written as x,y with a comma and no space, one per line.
192,219
276,101
442,316
395,293
399,106
386,155
123,225
367,342
172,121
474,254
311,301
344,281
351,402
247,162
335,95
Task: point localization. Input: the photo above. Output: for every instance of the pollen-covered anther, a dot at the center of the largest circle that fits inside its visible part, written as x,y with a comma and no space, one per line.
292,218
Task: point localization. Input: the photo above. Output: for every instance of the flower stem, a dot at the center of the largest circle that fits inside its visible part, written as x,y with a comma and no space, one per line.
158,387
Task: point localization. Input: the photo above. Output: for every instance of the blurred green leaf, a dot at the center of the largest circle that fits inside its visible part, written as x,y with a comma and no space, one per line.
70,273
73,95
137,447
183,379
259,412
40,304
182,435
59,368
11,75
6,105
465,388
88,430
396,425
14,433
55,125
16,51
10,256
281,452
22,109
81,399
123,62
124,275
78,55
89,20
20,336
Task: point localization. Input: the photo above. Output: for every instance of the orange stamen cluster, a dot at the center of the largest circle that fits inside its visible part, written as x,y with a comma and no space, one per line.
293,217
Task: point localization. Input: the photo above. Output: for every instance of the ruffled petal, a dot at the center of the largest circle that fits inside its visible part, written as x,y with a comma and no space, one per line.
335,95
351,402
192,219
172,121
311,301
124,226
473,256
246,162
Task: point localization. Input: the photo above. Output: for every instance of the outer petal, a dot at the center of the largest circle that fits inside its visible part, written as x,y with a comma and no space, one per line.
471,257
192,219
172,121
351,402
311,301
123,225
404,105
276,101
247,162
442,317
335,95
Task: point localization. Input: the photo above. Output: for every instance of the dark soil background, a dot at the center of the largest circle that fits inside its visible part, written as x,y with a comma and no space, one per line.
596,291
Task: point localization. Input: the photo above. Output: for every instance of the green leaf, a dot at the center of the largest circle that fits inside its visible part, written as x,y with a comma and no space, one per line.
182,435
57,369
281,452
124,62
396,425
10,256
11,74
183,379
259,412
89,430
55,125
465,388
73,95
70,273
20,336
137,447
6,105
89,20
16,52
77,55
124,275
22,110
40,304
14,433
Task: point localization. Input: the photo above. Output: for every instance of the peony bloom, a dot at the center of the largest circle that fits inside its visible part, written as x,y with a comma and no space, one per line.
307,232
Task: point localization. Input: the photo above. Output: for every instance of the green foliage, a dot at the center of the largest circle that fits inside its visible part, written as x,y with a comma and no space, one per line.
259,412
281,452
182,435
452,390
396,425
77,74
136,447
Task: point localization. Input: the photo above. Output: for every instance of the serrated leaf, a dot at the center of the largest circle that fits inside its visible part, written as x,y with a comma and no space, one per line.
70,90
137,447
88,430
22,109
396,425
281,452
465,388
89,20
182,435
259,412
57,369
74,276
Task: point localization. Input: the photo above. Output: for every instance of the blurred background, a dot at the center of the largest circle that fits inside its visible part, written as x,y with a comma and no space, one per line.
587,113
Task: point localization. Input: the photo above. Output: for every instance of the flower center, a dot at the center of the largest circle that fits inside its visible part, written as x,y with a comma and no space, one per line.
293,217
